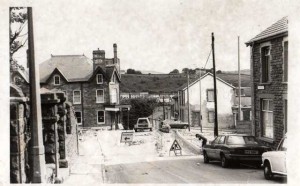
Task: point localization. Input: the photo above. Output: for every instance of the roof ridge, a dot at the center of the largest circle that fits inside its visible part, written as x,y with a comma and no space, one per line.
75,55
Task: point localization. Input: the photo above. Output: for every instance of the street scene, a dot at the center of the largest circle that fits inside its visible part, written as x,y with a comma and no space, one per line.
170,92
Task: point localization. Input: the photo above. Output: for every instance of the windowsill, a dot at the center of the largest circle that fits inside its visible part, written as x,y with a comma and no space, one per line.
76,103
100,102
100,123
56,84
269,140
99,83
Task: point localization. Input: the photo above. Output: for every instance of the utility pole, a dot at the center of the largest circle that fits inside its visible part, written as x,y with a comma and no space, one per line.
188,99
200,117
215,86
38,173
164,107
239,70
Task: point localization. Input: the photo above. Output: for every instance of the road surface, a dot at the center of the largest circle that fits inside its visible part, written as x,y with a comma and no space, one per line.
184,170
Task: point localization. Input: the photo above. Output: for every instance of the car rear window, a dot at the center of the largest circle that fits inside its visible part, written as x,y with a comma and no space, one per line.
142,121
241,140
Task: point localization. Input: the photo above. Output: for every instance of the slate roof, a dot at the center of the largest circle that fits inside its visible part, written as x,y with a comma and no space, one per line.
72,67
279,27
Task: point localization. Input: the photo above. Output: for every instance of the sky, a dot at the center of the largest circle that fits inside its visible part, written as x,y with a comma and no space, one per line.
153,35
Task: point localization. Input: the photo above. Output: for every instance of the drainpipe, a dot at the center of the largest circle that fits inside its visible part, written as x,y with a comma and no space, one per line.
252,91
82,108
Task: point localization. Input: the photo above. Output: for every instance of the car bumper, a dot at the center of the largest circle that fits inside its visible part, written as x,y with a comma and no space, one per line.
238,157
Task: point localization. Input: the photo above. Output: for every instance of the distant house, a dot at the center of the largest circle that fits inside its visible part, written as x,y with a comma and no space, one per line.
227,101
92,86
269,70
20,78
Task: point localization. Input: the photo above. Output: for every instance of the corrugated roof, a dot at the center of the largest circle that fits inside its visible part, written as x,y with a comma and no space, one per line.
73,67
279,27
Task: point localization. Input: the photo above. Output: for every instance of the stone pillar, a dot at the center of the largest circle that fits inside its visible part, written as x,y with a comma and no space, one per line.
17,140
61,124
68,118
50,118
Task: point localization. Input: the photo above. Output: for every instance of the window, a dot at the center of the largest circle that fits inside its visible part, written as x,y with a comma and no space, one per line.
285,61
17,80
77,97
100,96
210,96
265,64
222,140
100,117
267,118
211,117
247,115
237,92
99,78
78,118
56,80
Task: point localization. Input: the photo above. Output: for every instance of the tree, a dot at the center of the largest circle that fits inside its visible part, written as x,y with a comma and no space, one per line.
185,70
132,71
18,39
140,107
175,71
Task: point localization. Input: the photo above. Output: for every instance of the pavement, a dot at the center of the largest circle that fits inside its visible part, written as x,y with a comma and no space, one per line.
87,168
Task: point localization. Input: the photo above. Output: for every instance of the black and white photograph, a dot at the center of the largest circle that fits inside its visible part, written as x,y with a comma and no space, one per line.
149,92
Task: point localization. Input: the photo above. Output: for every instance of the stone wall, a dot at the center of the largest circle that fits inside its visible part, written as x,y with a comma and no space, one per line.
276,90
19,136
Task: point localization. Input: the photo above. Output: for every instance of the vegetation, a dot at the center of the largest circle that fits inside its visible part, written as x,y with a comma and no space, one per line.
140,107
175,71
17,34
132,71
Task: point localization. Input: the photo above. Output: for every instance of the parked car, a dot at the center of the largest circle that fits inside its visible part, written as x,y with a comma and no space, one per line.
176,124
165,128
143,124
274,162
234,147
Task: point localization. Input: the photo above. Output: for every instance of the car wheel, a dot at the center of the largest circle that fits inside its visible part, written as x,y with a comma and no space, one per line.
224,161
267,171
205,157
135,130
150,129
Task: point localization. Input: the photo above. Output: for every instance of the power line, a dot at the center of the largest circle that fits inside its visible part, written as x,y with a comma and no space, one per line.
207,58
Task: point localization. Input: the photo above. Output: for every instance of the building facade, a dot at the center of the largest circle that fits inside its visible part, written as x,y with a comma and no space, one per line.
269,69
92,86
227,102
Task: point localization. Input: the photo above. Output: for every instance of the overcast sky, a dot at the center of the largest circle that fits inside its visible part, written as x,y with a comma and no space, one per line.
154,35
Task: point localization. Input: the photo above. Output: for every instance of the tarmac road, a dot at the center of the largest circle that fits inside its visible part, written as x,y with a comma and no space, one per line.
184,170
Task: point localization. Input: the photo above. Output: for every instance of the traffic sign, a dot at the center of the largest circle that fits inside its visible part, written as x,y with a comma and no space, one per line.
175,147
126,137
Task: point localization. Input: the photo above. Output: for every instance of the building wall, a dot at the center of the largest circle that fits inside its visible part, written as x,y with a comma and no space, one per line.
225,96
276,90
88,106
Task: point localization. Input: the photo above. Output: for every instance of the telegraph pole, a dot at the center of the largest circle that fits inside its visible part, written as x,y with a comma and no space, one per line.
215,86
188,99
38,172
200,117
164,107
239,70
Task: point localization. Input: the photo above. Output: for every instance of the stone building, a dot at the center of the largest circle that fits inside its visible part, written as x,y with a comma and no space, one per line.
92,86
269,69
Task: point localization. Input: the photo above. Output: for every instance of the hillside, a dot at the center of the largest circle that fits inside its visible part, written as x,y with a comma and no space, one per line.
153,83
159,83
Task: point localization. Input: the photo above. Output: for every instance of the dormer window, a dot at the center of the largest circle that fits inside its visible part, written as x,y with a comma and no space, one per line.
99,79
56,80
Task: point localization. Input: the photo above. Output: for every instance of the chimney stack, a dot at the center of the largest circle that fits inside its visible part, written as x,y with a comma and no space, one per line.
115,53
